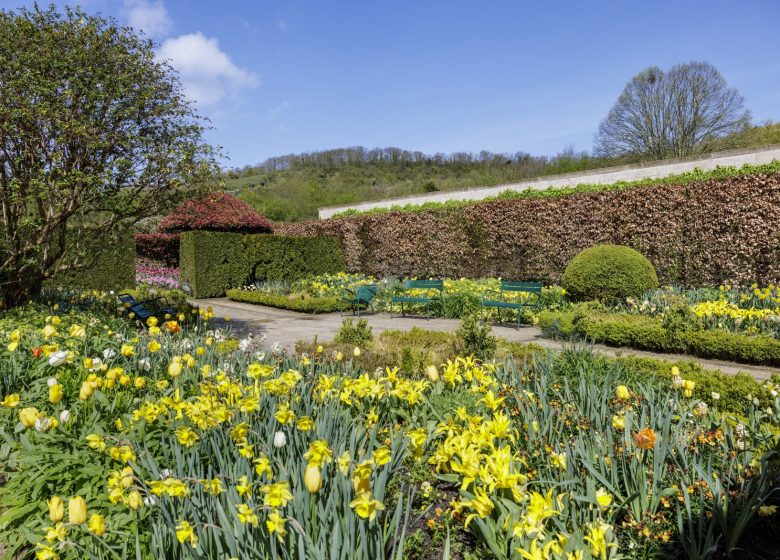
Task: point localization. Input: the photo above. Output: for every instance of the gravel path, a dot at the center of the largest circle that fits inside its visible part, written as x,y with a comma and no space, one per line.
286,327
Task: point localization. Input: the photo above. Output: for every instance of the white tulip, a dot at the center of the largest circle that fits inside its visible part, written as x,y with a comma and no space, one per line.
42,424
64,416
58,358
145,364
51,382
280,440
108,353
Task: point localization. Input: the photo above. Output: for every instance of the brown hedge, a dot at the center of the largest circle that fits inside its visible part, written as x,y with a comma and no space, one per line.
705,233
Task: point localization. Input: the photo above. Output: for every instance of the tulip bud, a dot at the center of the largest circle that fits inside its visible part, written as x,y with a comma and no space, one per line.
312,479
64,416
356,352
86,390
77,510
622,393
134,500
175,368
97,525
55,393
280,440
432,373
56,509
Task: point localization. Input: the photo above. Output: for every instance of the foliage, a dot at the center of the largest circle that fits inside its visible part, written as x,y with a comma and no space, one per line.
75,181
534,237
291,188
214,262
476,337
463,296
113,269
609,273
751,310
357,334
670,114
162,247
302,304
190,448
647,333
216,212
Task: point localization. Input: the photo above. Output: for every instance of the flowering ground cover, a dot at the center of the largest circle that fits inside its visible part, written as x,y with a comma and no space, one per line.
175,441
154,273
462,296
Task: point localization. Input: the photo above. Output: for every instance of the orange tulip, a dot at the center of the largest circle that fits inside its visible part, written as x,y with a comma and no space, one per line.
645,438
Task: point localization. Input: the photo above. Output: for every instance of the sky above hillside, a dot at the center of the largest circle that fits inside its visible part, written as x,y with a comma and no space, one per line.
278,77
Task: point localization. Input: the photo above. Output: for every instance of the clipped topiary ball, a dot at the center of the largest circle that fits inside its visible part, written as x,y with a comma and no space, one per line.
609,273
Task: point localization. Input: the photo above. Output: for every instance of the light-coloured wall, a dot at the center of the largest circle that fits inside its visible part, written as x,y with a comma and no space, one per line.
752,156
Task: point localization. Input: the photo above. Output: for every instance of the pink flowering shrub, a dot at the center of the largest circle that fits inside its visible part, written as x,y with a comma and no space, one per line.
153,273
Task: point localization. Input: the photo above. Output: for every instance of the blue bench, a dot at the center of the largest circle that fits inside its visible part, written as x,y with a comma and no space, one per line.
514,295
141,308
428,287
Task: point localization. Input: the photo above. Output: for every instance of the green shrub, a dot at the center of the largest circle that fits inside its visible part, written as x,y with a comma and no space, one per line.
357,334
304,305
114,269
213,262
609,273
648,333
476,337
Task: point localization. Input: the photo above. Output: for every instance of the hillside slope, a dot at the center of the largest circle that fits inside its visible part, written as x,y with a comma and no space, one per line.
291,188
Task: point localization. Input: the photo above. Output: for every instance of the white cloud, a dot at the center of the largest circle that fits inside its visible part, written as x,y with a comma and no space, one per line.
207,73
150,16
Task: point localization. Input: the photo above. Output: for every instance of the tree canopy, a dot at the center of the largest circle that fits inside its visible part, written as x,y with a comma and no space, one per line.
95,135
675,113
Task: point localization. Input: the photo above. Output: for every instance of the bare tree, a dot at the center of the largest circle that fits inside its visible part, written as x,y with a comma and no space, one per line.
671,114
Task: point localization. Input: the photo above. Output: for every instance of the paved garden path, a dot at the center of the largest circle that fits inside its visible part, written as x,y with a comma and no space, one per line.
286,327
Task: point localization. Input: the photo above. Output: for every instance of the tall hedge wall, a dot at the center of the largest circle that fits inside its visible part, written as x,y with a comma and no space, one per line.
113,270
212,262
709,232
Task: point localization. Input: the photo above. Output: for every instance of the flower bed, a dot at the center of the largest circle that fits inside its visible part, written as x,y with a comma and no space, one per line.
462,297
172,442
153,273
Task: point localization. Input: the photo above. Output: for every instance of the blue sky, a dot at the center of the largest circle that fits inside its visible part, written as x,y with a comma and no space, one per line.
277,77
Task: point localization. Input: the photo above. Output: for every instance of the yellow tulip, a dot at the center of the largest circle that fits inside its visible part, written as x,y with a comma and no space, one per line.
432,373
77,510
175,368
622,393
27,416
134,500
10,401
86,390
56,509
312,479
55,393
97,525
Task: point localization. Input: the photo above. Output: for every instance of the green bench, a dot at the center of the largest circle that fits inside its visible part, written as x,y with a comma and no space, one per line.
401,295
362,297
512,295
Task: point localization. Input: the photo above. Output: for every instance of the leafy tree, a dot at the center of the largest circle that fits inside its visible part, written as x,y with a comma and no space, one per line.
95,135
671,114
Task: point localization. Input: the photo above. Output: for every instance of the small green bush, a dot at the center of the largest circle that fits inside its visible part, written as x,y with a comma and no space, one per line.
476,337
609,273
357,334
307,305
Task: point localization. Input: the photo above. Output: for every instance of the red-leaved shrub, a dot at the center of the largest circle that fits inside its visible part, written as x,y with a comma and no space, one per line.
160,247
216,212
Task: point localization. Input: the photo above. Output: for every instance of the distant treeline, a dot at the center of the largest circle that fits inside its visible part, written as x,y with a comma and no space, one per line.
395,157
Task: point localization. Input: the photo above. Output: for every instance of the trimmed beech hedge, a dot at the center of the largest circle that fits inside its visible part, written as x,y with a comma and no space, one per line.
724,230
113,270
214,262
308,305
648,333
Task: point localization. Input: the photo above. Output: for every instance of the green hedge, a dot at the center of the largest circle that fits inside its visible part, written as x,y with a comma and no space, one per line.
113,270
308,305
212,263
647,333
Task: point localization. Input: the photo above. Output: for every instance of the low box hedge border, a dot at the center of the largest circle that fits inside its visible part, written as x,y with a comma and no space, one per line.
308,305
647,333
